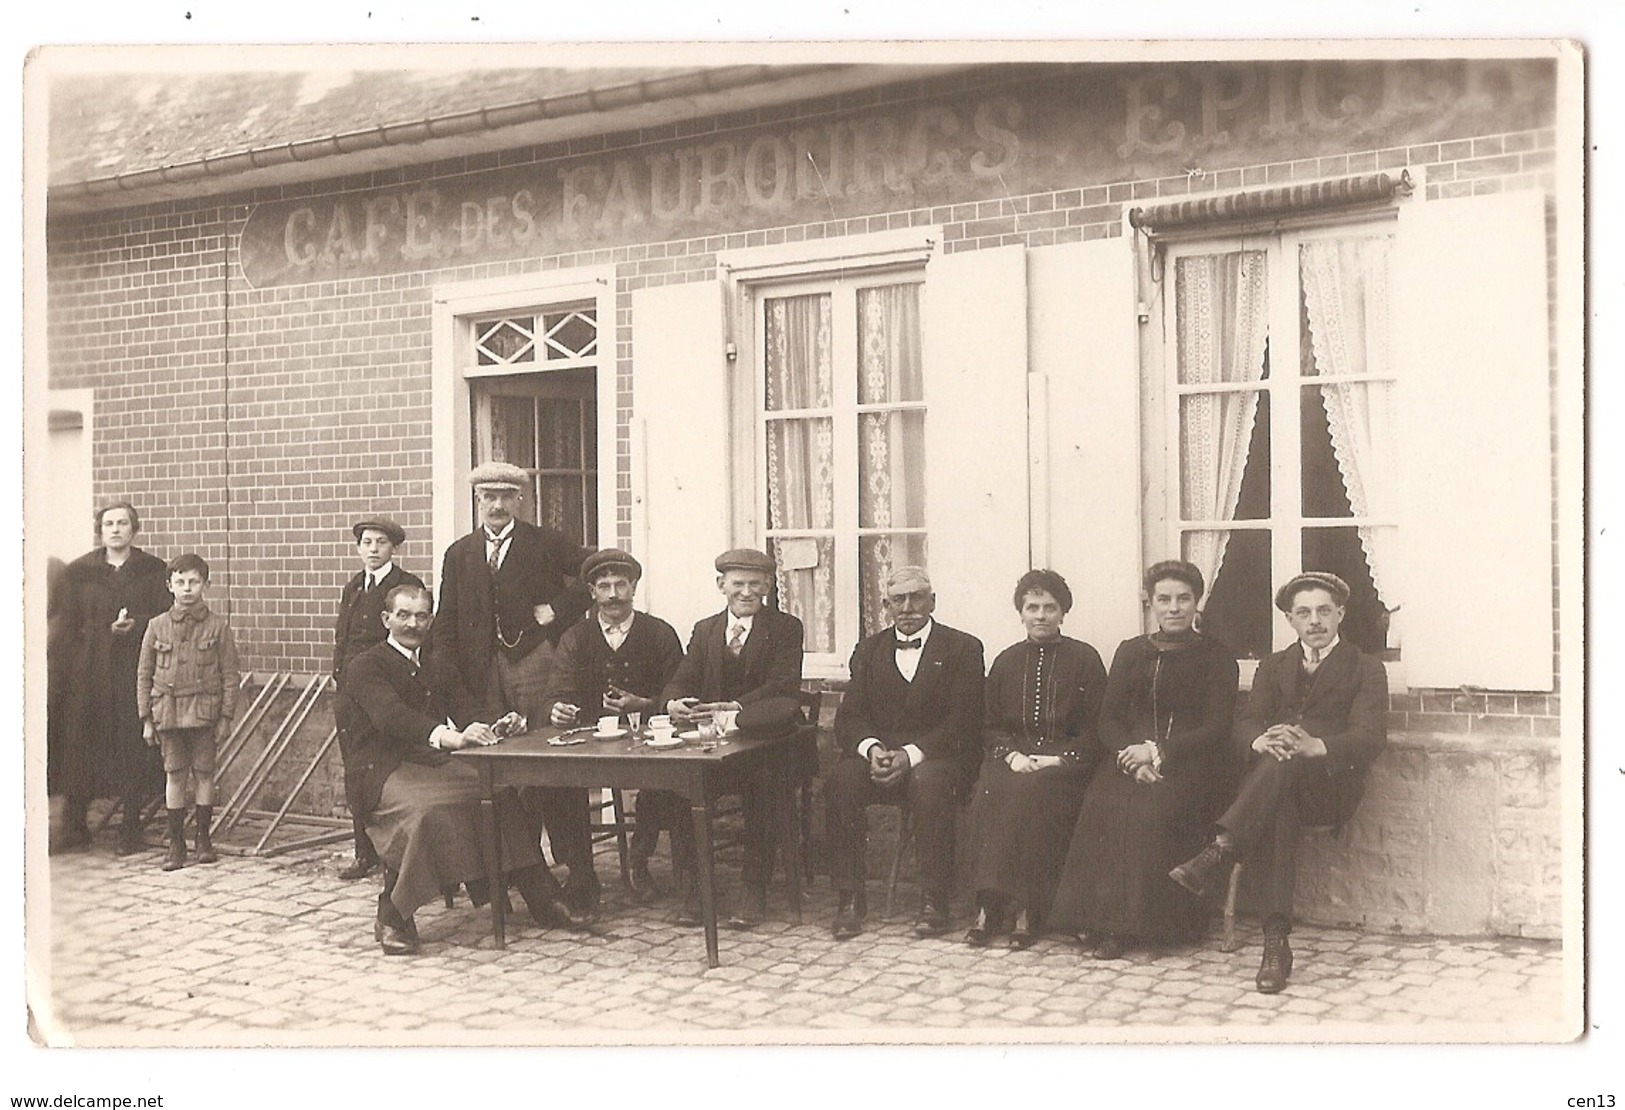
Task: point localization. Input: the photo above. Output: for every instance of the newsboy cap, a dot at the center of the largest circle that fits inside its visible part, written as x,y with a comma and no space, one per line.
769,718
609,560
396,534
745,558
1312,580
498,475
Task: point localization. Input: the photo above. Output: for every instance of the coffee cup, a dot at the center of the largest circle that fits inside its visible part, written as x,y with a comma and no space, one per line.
661,734
660,721
609,724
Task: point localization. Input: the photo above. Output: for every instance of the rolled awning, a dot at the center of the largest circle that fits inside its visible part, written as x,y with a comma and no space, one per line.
1264,204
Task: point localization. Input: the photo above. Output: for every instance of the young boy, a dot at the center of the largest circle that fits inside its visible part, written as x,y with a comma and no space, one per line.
186,689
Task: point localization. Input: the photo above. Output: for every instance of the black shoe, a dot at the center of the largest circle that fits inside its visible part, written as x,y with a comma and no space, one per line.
752,907
544,898
1022,935
1198,873
1109,947
396,942
980,933
359,869
691,914
583,893
204,816
933,919
643,886
850,913
1276,966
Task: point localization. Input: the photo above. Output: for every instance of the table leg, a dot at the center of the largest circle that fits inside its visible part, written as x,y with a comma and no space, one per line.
705,864
790,833
493,857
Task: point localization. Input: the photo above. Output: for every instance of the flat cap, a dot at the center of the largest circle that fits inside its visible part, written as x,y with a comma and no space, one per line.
502,475
396,534
769,718
609,560
745,558
1312,580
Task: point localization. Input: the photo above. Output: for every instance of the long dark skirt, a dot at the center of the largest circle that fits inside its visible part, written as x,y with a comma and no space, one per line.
428,828
1019,830
1127,838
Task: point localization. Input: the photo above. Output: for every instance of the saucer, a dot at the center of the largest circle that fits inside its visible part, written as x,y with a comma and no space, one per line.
669,742
618,734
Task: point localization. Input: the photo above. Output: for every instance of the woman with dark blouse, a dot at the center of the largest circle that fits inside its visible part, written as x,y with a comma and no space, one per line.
1043,698
1164,730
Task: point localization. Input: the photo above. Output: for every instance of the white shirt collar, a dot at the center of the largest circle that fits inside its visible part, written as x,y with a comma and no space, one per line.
380,574
746,621
411,656
623,626
922,635
1324,652
500,536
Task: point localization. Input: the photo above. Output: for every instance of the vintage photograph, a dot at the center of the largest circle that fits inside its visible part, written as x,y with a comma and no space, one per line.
1070,544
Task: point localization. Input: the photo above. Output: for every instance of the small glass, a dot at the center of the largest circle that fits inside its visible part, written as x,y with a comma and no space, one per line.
719,725
634,718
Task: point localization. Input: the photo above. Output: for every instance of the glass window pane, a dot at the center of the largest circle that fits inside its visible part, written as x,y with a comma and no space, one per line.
891,474
1222,308
1238,609
513,431
889,362
877,556
570,334
560,421
801,473
1349,449
1344,307
798,352
806,591
498,342
559,504
1224,456
1346,552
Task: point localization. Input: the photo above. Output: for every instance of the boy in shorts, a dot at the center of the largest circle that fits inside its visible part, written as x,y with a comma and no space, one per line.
186,689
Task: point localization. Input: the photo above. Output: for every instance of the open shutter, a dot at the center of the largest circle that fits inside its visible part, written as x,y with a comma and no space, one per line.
975,334
1086,385
1475,445
679,448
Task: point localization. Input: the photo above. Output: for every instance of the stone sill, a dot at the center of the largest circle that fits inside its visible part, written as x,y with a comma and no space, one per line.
1481,745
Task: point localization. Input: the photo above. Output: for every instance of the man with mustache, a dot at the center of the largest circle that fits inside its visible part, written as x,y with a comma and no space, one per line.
1316,717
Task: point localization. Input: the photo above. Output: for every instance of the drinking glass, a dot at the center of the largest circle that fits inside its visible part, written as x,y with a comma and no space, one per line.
634,718
719,721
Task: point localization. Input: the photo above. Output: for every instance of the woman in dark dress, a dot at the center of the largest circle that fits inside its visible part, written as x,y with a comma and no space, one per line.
1043,698
100,611
1164,729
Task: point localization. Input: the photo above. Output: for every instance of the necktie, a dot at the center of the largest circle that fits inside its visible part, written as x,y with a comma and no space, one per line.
494,558
1313,660
909,645
736,641
367,586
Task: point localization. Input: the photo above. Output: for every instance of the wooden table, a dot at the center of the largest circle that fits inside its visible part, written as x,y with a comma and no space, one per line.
698,774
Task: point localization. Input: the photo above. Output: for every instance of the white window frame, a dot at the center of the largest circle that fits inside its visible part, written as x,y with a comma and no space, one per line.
811,266
455,306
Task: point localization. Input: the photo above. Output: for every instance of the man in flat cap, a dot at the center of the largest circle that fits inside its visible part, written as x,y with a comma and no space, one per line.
744,654
616,662
507,593
909,731
360,626
1315,719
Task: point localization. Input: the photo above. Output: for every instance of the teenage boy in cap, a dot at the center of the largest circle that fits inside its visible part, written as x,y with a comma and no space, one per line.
615,662
744,654
360,626
1315,719
507,593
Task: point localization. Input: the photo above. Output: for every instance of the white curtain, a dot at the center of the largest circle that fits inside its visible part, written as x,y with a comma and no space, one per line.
801,456
1223,317
1345,289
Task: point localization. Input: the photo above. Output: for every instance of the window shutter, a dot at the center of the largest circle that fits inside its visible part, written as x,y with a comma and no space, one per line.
1476,462
1085,363
680,446
975,332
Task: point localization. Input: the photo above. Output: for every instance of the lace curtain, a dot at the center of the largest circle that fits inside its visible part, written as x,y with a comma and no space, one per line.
1223,327
801,459
1346,297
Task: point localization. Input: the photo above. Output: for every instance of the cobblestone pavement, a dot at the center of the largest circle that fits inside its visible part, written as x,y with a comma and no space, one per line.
280,951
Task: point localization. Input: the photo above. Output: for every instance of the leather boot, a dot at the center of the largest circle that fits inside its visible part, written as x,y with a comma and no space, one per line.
544,898
129,836
1199,873
1276,966
204,816
850,912
176,859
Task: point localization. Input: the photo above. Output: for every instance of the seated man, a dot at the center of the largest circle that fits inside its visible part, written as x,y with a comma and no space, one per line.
909,732
1316,718
744,654
422,811
618,661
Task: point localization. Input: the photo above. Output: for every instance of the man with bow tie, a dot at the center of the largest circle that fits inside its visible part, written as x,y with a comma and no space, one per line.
508,591
361,607
909,732
1316,717
746,653
423,810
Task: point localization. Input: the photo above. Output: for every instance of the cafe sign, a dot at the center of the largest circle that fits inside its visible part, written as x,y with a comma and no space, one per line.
1036,129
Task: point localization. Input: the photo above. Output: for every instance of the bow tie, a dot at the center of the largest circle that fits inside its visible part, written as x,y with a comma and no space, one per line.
909,645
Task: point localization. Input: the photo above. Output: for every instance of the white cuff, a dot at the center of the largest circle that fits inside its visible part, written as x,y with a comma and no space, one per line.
866,745
915,755
437,734
1156,756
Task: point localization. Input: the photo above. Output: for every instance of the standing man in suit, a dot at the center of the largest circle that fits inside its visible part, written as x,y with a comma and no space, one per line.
423,810
618,661
1316,718
744,654
360,626
506,596
909,732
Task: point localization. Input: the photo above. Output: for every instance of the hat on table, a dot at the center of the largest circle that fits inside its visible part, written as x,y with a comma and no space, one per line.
609,560
1312,580
396,534
499,475
745,558
769,718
